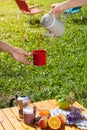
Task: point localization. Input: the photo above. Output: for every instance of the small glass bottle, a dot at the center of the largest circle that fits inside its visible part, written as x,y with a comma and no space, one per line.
44,111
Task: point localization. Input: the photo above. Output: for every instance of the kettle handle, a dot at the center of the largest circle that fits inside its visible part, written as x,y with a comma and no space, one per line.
12,100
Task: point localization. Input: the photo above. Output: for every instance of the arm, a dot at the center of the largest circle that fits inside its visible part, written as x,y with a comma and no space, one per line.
6,47
16,53
59,8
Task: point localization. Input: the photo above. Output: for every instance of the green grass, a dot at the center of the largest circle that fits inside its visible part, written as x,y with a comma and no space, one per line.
66,68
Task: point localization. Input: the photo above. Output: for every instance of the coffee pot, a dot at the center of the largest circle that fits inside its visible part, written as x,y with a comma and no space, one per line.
22,101
54,25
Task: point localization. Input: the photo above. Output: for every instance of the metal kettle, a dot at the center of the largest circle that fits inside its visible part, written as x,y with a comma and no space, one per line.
22,101
54,25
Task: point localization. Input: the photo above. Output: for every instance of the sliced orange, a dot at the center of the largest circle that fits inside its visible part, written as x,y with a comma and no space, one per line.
54,122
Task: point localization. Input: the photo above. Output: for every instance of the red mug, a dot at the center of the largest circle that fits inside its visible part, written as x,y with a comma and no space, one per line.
39,57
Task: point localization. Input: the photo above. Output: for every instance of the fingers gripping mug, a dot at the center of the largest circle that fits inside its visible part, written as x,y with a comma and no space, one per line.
54,25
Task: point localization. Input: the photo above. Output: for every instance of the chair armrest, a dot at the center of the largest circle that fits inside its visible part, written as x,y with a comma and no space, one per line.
34,6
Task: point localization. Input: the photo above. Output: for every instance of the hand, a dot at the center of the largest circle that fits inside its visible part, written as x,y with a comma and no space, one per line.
57,9
21,56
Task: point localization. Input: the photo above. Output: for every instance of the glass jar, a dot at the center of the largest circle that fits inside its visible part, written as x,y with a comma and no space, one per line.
44,111
28,115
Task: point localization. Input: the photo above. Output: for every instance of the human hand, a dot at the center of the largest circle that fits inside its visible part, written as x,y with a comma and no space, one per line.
57,9
22,56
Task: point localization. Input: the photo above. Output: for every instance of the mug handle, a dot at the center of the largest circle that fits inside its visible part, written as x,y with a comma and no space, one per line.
12,100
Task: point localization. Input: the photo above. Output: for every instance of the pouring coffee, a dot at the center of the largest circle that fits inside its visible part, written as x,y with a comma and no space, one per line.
54,25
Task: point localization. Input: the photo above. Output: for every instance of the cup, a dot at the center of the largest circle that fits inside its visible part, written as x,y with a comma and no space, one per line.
39,57
28,115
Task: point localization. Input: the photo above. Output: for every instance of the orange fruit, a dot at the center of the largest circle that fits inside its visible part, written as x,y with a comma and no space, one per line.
43,123
62,118
54,122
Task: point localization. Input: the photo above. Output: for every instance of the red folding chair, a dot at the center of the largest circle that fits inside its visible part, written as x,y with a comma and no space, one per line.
24,8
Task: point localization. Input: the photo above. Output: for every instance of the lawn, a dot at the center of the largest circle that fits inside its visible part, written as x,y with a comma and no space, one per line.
66,68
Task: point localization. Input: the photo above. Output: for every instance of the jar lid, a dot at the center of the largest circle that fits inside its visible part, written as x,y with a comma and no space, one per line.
28,110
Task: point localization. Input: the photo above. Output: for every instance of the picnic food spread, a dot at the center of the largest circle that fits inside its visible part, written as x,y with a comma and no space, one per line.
57,117
73,117
53,118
